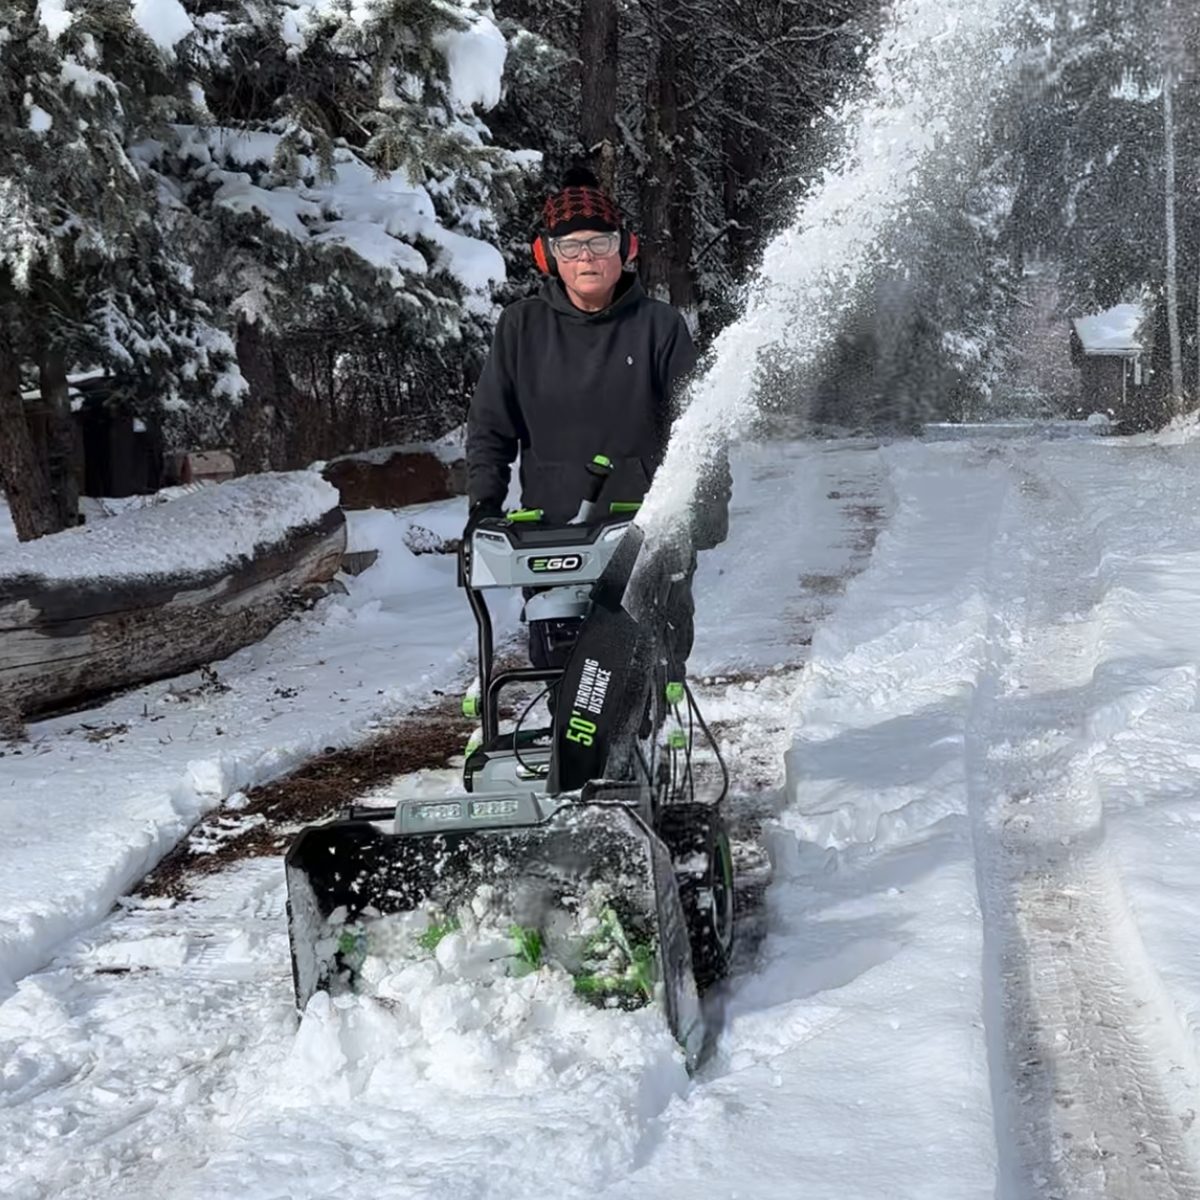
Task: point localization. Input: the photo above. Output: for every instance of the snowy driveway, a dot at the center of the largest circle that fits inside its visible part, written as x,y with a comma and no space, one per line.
978,972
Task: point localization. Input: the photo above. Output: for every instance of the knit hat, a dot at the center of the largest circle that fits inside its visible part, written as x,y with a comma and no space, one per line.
581,204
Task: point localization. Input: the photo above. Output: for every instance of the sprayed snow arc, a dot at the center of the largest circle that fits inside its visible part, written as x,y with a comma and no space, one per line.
935,73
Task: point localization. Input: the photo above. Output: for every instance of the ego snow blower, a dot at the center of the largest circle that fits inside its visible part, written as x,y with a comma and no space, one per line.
597,844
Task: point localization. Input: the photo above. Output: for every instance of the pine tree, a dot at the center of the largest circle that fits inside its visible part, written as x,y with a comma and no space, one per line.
344,160
88,272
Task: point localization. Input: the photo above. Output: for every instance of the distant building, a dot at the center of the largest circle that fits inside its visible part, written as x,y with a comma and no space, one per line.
1108,348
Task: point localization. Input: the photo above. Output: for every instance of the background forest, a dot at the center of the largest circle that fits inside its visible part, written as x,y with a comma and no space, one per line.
286,226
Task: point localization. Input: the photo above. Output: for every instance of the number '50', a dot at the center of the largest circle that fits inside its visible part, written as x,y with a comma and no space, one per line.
581,731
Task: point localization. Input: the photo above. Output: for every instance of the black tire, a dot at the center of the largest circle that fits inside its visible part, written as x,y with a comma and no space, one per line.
698,842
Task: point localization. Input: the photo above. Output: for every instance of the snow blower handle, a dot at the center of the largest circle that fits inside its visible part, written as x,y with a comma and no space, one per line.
599,469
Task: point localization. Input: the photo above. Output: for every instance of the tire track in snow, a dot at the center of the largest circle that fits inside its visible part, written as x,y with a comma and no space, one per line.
1092,1075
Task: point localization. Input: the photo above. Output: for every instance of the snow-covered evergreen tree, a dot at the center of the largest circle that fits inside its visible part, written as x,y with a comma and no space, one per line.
348,196
89,272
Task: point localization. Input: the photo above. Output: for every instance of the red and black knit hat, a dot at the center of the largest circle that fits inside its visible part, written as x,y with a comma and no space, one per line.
581,204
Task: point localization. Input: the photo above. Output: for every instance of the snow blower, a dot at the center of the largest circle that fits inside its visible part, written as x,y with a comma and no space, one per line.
597,843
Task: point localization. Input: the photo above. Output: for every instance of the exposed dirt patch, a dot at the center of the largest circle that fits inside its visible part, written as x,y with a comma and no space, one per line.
267,820
824,585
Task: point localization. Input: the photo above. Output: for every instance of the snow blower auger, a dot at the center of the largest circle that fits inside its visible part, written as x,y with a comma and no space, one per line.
596,845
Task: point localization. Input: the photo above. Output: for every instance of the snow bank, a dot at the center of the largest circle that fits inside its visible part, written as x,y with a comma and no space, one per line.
206,530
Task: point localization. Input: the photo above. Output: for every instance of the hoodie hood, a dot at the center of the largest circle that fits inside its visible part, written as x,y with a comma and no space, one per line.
629,292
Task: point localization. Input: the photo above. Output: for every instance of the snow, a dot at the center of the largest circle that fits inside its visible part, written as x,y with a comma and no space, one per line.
1115,331
164,22
161,540
475,59
980,783
8,532
85,80
378,217
94,801
40,121
55,18
449,449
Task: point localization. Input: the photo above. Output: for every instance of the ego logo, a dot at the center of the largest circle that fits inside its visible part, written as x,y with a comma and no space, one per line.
559,562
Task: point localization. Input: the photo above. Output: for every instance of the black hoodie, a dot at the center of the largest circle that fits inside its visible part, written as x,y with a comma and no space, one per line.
562,385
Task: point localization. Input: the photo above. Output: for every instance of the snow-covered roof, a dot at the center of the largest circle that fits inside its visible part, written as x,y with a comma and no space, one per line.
1112,332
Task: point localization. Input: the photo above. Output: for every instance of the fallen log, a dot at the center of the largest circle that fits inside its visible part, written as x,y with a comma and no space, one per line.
160,590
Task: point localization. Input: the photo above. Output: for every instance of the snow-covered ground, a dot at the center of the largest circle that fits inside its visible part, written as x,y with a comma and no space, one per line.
95,799
978,974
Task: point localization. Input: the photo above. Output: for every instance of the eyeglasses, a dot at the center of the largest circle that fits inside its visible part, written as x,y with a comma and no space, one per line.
601,245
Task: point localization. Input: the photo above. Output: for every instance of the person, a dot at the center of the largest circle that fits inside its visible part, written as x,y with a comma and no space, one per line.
588,366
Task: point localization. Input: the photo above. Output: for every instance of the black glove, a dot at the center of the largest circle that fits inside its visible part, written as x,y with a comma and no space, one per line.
480,511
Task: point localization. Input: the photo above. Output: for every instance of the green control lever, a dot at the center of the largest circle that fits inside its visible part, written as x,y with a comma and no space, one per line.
599,469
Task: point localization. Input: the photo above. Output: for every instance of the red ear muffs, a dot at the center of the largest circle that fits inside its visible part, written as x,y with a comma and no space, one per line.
543,259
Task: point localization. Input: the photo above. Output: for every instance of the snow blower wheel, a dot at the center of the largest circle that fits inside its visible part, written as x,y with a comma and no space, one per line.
698,841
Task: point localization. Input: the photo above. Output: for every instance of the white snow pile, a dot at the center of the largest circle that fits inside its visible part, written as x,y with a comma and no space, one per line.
581,939
512,1039
164,22
475,58
210,529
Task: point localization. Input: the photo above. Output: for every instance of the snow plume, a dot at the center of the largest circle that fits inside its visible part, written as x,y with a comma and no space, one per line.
936,72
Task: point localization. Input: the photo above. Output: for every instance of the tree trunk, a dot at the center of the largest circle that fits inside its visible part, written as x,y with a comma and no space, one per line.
667,212
1172,246
22,471
60,441
270,391
744,157
598,51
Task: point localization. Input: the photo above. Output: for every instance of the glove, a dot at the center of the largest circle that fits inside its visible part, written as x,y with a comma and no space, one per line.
480,511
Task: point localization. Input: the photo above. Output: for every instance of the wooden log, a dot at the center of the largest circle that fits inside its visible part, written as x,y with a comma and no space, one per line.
62,642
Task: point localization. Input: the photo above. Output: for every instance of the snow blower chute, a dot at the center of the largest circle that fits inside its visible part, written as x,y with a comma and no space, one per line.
597,842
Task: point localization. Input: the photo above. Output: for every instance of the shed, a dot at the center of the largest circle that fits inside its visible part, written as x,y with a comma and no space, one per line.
1107,348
